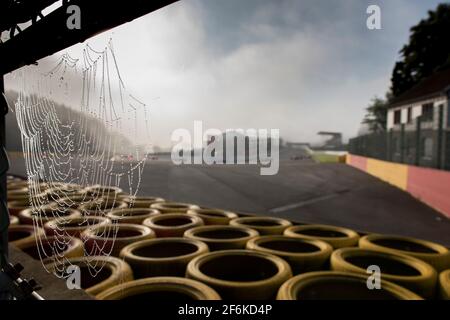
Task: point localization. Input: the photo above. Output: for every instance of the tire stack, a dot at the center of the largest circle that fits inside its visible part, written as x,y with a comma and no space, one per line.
150,248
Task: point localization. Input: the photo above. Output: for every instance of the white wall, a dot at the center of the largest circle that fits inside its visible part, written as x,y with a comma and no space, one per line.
416,110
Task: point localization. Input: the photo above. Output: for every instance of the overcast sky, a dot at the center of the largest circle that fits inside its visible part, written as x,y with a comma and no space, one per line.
300,66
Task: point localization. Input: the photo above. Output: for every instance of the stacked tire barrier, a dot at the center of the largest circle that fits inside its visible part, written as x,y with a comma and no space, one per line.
178,251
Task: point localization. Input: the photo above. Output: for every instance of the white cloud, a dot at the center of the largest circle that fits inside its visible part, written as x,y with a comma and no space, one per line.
299,77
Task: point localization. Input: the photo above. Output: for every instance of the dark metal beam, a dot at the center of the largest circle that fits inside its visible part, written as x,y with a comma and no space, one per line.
51,34
4,166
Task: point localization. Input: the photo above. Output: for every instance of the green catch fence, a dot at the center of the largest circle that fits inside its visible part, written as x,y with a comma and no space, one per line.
423,141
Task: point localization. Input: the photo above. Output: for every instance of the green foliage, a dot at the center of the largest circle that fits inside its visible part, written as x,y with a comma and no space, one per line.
326,158
376,116
428,50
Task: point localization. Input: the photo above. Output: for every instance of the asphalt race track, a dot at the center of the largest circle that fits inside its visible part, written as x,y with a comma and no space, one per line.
303,191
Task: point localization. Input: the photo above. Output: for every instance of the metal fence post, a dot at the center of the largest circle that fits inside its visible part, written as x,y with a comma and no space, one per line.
418,146
402,143
439,137
389,145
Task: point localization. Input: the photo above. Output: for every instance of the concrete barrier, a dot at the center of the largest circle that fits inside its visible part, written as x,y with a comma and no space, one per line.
430,186
357,162
393,173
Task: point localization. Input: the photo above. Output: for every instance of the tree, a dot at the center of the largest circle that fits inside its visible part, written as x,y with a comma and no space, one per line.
428,50
376,116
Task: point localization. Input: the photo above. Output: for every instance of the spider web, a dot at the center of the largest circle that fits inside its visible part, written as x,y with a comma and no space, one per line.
80,146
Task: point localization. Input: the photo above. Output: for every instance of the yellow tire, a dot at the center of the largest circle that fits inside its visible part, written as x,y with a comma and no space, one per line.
221,237
433,253
172,224
46,214
72,201
264,225
303,255
141,202
173,207
103,191
67,190
13,220
18,194
110,239
332,285
75,226
52,249
444,285
14,185
101,207
162,257
213,216
131,215
14,207
411,273
240,274
161,289
18,235
98,273
337,237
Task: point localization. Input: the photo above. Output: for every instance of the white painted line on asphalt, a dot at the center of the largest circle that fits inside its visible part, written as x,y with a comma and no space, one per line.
306,202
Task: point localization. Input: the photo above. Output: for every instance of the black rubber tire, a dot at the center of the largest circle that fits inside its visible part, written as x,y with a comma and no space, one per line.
332,285
411,273
264,225
435,254
337,237
161,289
303,255
220,237
240,274
162,257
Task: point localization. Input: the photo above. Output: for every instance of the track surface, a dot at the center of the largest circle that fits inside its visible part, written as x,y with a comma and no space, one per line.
303,191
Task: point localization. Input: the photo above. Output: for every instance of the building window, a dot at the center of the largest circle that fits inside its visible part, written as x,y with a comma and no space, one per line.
427,112
409,115
426,148
397,116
